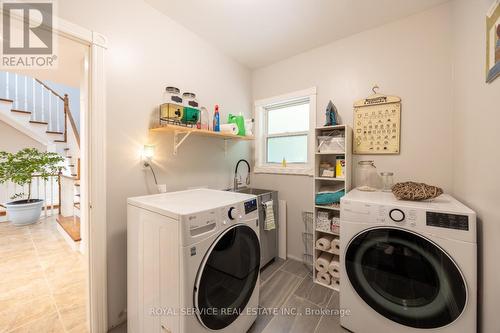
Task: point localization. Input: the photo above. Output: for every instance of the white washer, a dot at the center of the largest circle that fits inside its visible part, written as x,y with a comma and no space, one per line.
407,266
193,262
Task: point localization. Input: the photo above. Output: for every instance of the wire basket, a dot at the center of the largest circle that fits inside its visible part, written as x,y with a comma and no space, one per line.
308,240
308,218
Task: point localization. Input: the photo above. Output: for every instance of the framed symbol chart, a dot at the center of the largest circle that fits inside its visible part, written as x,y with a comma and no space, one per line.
377,125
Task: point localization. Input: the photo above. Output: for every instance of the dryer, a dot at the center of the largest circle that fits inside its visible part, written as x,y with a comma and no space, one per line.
193,262
407,266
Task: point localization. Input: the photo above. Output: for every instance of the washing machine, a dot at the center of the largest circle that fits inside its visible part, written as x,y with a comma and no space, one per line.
407,266
193,262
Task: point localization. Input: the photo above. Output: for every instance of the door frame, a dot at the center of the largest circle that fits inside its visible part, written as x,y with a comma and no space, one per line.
93,169
93,174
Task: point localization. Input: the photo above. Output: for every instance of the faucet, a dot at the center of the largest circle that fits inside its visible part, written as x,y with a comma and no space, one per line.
237,181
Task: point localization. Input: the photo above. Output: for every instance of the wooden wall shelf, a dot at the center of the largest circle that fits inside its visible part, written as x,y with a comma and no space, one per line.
185,132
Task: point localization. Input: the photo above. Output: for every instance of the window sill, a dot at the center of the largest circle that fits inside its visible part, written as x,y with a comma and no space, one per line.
283,171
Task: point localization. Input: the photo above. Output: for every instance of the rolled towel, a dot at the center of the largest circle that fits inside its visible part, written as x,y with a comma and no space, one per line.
229,128
335,246
324,278
323,261
334,269
335,282
324,242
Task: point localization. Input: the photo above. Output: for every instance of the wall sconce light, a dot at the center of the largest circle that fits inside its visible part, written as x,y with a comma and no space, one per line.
148,152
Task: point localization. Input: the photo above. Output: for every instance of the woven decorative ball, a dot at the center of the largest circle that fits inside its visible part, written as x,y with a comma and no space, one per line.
416,191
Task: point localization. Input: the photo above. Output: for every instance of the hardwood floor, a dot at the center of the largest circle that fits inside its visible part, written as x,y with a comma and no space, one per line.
43,285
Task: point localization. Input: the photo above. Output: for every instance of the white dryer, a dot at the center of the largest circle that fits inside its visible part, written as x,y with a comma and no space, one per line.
193,262
407,266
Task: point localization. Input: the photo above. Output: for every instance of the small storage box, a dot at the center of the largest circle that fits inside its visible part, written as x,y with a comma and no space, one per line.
330,144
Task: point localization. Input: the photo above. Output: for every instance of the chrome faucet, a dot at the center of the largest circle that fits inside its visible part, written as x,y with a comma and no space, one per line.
237,179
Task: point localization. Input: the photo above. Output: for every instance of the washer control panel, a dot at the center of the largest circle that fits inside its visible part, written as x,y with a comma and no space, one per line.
397,215
250,206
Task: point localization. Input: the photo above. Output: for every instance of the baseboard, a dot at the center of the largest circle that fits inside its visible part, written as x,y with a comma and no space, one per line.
288,256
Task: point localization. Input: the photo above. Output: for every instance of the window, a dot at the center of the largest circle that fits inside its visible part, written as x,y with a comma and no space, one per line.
283,133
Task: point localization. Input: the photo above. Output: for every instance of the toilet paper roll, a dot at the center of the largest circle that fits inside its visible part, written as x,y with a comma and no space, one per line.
323,261
334,269
324,243
324,278
229,128
335,282
335,246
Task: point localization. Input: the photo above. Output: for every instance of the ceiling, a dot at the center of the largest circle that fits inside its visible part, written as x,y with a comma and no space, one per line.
257,33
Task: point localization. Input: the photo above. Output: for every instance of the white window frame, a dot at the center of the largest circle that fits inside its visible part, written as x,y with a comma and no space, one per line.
261,165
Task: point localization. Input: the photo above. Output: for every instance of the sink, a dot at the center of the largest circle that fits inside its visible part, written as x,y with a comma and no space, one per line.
250,190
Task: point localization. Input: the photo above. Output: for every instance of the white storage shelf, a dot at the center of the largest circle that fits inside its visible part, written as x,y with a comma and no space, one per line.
343,183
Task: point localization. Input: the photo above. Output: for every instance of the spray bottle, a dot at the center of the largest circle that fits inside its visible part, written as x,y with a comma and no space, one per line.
216,119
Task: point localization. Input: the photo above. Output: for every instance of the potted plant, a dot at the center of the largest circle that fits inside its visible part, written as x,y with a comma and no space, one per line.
20,168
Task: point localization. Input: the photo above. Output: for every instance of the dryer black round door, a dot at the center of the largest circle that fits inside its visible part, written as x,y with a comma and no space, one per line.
227,277
405,277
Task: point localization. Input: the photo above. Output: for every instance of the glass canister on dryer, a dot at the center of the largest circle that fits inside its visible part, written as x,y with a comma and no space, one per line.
387,181
367,176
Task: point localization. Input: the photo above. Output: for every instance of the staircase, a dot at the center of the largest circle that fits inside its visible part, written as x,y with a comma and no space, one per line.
32,107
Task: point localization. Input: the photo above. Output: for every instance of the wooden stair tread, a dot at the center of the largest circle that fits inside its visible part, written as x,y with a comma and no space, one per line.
6,100
70,224
76,205
39,122
54,132
59,140
66,149
20,111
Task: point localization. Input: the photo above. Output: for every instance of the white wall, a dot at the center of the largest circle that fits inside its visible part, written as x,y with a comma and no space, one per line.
410,58
13,140
148,51
476,146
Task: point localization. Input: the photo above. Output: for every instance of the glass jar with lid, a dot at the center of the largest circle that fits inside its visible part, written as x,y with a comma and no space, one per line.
189,99
367,176
173,95
387,181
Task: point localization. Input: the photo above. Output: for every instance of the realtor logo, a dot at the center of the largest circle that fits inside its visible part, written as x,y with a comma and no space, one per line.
27,35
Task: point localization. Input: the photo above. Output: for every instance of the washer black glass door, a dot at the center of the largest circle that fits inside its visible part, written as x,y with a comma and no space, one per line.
405,278
228,277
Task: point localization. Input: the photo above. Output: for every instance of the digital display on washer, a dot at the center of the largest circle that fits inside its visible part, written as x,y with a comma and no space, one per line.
449,221
250,206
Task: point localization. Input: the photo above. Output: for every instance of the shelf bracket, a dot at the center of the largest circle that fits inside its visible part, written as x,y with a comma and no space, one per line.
179,141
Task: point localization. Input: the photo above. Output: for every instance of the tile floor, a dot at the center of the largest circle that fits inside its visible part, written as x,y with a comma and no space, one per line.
43,285
288,285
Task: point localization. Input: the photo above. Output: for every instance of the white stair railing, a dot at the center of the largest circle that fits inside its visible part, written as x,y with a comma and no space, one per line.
47,190
29,94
